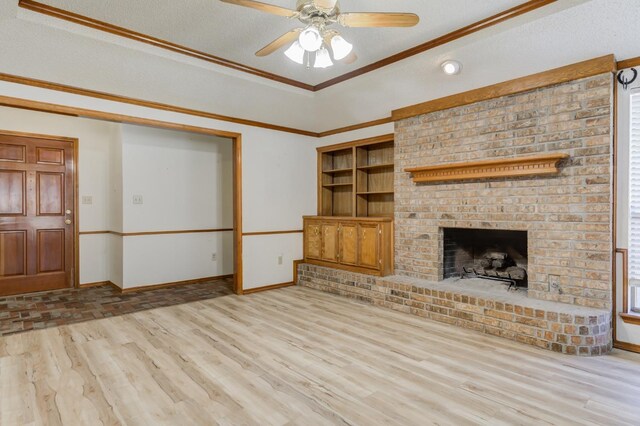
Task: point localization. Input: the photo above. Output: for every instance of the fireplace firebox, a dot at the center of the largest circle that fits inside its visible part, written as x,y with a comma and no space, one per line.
499,255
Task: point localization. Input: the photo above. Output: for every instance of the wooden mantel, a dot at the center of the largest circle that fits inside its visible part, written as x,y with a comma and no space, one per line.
544,164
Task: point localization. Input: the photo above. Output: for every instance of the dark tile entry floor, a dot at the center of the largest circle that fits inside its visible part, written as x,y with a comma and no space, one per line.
60,307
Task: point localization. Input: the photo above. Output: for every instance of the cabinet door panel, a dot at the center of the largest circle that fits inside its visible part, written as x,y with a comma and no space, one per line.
330,242
369,245
314,241
348,243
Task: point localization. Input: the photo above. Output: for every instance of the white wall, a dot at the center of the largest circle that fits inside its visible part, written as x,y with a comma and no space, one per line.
186,183
278,188
279,181
629,333
159,259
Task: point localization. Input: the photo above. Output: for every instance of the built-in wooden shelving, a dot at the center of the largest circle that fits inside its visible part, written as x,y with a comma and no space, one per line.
376,166
374,192
333,185
356,179
338,170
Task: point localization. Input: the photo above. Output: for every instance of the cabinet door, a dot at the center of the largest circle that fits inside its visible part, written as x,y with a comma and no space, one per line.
330,242
348,243
368,241
313,243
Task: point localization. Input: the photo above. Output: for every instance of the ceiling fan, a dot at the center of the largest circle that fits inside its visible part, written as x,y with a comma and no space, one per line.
316,36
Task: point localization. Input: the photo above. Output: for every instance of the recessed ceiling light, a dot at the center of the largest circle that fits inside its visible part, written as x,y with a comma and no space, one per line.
451,67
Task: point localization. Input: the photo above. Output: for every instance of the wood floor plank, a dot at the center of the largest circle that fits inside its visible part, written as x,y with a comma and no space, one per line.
298,356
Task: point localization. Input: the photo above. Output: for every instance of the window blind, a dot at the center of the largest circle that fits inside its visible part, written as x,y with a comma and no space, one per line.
634,189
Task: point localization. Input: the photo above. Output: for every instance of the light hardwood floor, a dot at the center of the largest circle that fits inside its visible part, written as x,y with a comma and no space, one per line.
297,356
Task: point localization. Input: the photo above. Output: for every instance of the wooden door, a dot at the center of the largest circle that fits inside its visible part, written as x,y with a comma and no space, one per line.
369,245
330,242
348,243
313,243
36,217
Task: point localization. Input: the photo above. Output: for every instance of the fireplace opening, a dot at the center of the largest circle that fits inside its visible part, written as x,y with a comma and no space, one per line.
497,255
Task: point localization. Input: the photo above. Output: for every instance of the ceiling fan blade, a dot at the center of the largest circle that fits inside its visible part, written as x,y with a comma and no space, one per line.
279,42
263,7
351,58
378,19
325,4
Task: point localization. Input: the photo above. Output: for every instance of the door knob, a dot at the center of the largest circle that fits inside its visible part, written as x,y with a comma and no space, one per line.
68,221
68,212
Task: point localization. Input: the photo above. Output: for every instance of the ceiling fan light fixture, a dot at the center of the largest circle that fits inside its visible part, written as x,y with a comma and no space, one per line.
323,59
295,53
310,39
341,48
451,67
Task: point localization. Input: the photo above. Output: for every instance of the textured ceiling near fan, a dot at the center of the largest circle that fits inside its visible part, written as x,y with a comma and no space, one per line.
236,33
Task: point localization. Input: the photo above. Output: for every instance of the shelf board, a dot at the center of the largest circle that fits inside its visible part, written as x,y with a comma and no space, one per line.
374,193
333,185
338,170
377,166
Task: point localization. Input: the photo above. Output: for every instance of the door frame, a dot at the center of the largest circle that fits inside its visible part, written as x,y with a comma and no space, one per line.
236,139
76,212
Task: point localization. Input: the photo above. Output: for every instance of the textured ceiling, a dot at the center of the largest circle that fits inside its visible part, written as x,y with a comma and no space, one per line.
236,33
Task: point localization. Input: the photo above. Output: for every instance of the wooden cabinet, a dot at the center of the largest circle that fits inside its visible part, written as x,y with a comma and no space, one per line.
348,243
312,240
329,242
363,245
368,255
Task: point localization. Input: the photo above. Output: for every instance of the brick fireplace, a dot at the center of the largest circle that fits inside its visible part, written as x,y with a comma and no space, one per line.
557,227
567,217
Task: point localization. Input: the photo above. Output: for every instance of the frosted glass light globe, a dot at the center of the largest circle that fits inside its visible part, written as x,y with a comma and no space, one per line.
295,53
310,39
323,59
341,48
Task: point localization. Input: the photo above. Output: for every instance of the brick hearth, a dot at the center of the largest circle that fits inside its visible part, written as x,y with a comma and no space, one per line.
482,306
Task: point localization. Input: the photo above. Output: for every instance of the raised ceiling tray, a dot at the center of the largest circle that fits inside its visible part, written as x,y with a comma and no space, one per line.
545,164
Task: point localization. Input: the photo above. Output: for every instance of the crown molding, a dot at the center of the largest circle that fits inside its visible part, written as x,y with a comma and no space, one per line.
505,15
149,104
165,107
628,63
546,78
353,127
564,74
498,18
65,15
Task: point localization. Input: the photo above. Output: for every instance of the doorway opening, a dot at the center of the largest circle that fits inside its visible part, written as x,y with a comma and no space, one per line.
15,267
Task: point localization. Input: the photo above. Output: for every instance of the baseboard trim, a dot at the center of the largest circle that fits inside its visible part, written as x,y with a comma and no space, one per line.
626,346
267,288
173,284
96,284
155,286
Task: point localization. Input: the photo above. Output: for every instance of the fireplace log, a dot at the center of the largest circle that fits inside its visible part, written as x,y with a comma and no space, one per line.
500,264
516,273
497,256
